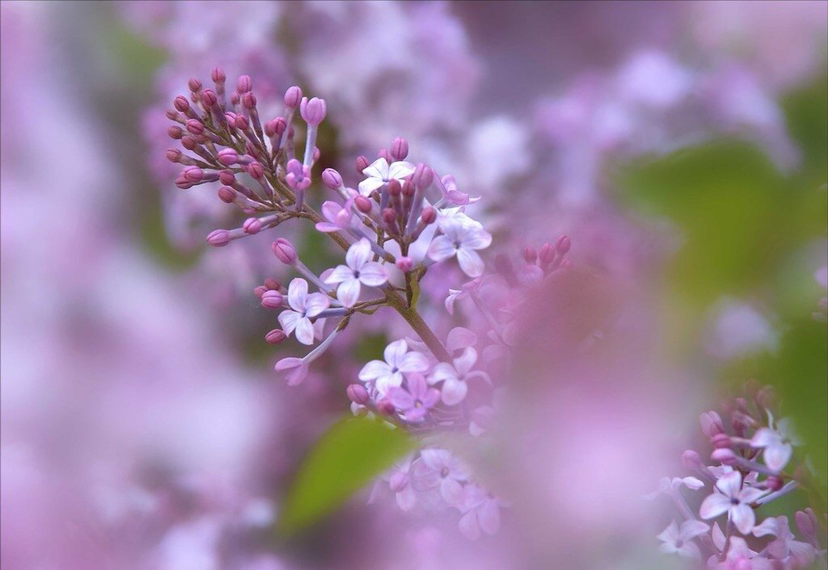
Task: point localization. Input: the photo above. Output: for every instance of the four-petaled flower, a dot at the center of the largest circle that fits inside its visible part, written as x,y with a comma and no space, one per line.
732,498
380,173
454,376
339,217
304,308
679,539
481,512
415,401
463,242
439,468
398,361
785,547
778,443
360,270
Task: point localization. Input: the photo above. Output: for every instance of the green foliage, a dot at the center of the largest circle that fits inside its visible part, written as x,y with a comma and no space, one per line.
350,455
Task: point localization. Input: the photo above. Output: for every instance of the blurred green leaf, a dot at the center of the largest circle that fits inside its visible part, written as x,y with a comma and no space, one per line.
350,455
806,113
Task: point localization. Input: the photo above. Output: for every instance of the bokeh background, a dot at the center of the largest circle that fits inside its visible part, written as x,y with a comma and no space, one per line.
681,146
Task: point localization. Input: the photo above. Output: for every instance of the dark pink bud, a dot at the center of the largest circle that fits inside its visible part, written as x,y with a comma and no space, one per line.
399,149
209,98
189,142
357,394
227,194
218,75
429,215
404,264
172,114
244,84
724,456
383,153
565,264
427,178
181,104
228,156
195,126
389,216
173,154
766,397
546,254
227,177
362,204
272,299
252,226
271,283
563,244
183,183
691,460
218,238
242,122
255,170
175,132
284,251
774,483
275,336
408,189
530,255
292,97
394,187
711,424
193,174
313,111
248,100
194,85
385,407
721,441
259,291
361,164
806,521
331,178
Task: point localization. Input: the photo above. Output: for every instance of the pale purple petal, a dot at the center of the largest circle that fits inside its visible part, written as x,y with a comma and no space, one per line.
315,303
470,262
776,456
373,370
476,239
339,274
400,170
441,248
451,491
464,363
743,517
692,529
384,383
417,385
297,292
750,494
442,372
454,391
289,320
468,525
669,534
348,292
401,399
373,274
436,459
367,186
764,437
730,483
358,254
431,397
713,506
395,351
294,369
304,331
460,337
406,498
413,362
377,169
327,227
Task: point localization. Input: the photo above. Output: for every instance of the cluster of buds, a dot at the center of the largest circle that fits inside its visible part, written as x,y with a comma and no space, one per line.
393,225
752,466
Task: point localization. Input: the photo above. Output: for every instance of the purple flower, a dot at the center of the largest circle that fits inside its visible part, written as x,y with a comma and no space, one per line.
740,557
298,175
777,443
439,468
304,307
414,401
801,554
732,498
380,173
481,512
458,240
398,361
339,217
454,376
359,270
679,539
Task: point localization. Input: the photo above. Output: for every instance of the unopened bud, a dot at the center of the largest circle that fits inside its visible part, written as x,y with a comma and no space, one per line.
331,178
193,174
181,104
563,244
724,456
429,215
546,255
385,407
284,251
227,177
273,284
399,149
173,154
404,264
292,97
313,111
228,156
218,238
530,255
774,483
357,394
255,170
209,98
721,441
394,187
691,460
227,194
218,75
272,299
244,84
361,164
194,85
175,132
711,423
275,336
195,126
252,226
241,122
362,204
806,522
248,100
259,291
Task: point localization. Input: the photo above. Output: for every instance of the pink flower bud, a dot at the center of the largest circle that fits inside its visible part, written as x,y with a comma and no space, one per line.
255,170
175,132
361,164
530,255
272,299
423,176
292,97
252,226
691,460
244,84
218,238
546,255
173,154
182,183
227,194
218,75
404,264
362,204
721,441
357,394
189,142
209,98
394,187
193,174
563,244
284,251
389,216
195,126
172,114
259,291
227,177
248,100
275,336
385,407
408,189
275,127
228,156
806,522
383,153
181,104
331,178
724,456
273,284
194,85
399,149
774,483
711,424
429,215
313,111
241,122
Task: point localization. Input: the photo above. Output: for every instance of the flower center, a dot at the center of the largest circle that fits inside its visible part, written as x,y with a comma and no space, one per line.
444,472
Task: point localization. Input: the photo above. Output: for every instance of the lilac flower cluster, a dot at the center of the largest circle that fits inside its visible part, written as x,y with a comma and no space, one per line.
753,465
400,220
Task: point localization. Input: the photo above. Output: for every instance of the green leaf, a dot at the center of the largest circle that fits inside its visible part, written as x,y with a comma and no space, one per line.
349,456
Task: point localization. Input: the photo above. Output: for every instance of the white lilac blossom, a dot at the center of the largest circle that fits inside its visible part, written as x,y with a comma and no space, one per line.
481,512
454,376
463,242
739,484
398,361
303,307
358,270
439,468
379,173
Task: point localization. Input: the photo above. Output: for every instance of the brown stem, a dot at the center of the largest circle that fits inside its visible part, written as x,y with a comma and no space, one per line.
413,318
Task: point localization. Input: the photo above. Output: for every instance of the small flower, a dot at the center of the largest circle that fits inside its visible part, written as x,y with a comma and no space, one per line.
380,173
679,540
304,307
785,547
294,369
439,468
778,443
462,242
298,175
732,498
415,401
454,377
740,557
669,486
339,217
398,360
359,270
400,482
481,512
